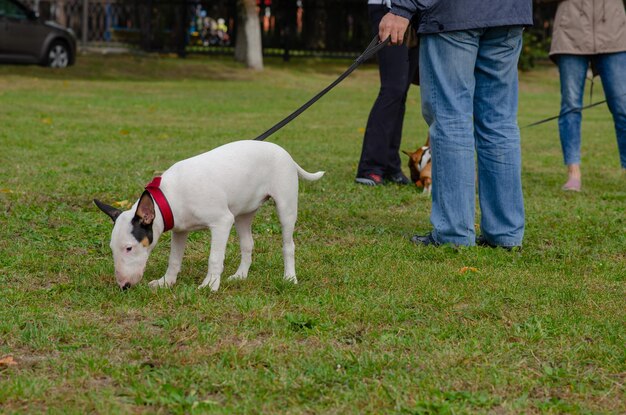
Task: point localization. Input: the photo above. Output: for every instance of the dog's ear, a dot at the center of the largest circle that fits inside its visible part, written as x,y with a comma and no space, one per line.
112,212
414,156
145,209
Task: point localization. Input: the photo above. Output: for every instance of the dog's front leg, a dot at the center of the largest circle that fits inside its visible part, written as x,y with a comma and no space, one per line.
179,239
219,239
428,183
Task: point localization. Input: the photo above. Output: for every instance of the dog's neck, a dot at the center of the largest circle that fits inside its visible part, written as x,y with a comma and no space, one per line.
159,199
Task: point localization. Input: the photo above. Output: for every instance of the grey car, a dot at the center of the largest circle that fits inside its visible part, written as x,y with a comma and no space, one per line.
24,38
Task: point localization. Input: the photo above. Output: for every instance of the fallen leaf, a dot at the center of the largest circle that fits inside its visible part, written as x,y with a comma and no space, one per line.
361,130
7,361
124,132
47,121
122,204
466,269
6,191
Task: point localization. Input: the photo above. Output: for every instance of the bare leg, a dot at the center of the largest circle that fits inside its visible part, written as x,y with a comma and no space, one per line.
573,171
573,178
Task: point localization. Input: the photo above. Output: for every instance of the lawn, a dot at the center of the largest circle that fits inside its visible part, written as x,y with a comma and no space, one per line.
375,325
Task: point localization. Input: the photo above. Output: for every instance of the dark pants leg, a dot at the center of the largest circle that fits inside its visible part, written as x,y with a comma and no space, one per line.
383,134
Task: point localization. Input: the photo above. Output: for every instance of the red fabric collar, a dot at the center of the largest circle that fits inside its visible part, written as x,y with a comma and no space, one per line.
161,201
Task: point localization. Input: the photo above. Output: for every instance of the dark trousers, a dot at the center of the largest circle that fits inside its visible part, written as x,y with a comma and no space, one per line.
383,134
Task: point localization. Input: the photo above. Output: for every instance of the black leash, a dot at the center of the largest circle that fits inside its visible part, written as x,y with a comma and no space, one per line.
565,113
573,109
371,50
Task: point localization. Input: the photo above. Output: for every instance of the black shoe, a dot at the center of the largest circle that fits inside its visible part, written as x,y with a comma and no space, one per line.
424,240
398,178
370,179
482,241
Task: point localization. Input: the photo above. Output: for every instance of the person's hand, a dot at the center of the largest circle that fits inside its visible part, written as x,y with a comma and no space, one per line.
394,26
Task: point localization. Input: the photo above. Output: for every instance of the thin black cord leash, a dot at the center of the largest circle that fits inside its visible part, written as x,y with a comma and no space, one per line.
371,50
545,120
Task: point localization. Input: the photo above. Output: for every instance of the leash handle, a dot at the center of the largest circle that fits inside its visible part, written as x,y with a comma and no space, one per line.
370,51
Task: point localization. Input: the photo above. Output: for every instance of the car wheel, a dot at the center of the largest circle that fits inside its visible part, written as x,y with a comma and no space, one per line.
58,55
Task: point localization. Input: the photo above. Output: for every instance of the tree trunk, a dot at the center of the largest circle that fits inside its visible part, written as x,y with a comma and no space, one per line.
248,48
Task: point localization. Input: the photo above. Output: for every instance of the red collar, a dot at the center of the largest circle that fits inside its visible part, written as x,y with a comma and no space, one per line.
161,201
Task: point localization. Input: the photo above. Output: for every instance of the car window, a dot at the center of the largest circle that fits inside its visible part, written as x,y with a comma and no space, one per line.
10,9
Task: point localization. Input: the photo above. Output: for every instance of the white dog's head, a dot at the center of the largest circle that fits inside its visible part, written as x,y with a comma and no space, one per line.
132,239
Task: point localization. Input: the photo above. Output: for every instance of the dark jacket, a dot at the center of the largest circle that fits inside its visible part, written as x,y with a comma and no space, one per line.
435,16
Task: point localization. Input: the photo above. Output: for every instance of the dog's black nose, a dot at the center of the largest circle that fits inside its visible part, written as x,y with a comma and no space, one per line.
126,286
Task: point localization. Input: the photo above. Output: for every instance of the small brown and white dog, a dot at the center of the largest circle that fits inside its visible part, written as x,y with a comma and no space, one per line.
420,165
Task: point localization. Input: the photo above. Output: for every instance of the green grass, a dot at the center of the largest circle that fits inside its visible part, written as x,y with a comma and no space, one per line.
376,325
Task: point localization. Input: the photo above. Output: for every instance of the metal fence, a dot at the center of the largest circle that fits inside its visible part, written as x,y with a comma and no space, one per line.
209,26
289,27
146,24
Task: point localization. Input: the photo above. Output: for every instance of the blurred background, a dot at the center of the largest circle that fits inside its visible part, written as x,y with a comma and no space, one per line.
287,28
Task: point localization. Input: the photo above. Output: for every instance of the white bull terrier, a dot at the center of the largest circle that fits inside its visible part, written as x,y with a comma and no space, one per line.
212,190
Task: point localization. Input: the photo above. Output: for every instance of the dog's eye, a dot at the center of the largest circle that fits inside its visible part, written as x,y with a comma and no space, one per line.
129,248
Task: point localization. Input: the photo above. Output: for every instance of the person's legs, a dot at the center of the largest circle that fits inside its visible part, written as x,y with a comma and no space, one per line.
394,164
389,105
447,62
572,72
498,138
612,70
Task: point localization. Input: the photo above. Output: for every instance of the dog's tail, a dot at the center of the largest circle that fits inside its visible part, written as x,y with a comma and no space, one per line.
303,174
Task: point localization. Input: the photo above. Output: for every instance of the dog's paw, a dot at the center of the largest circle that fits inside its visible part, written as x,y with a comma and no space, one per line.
237,277
211,281
160,283
291,278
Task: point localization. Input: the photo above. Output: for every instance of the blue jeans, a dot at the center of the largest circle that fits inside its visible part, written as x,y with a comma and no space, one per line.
573,72
469,100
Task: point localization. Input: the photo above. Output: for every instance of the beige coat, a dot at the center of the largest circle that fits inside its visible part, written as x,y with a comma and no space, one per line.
589,27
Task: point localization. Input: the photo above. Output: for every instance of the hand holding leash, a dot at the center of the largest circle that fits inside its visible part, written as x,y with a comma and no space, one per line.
393,27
